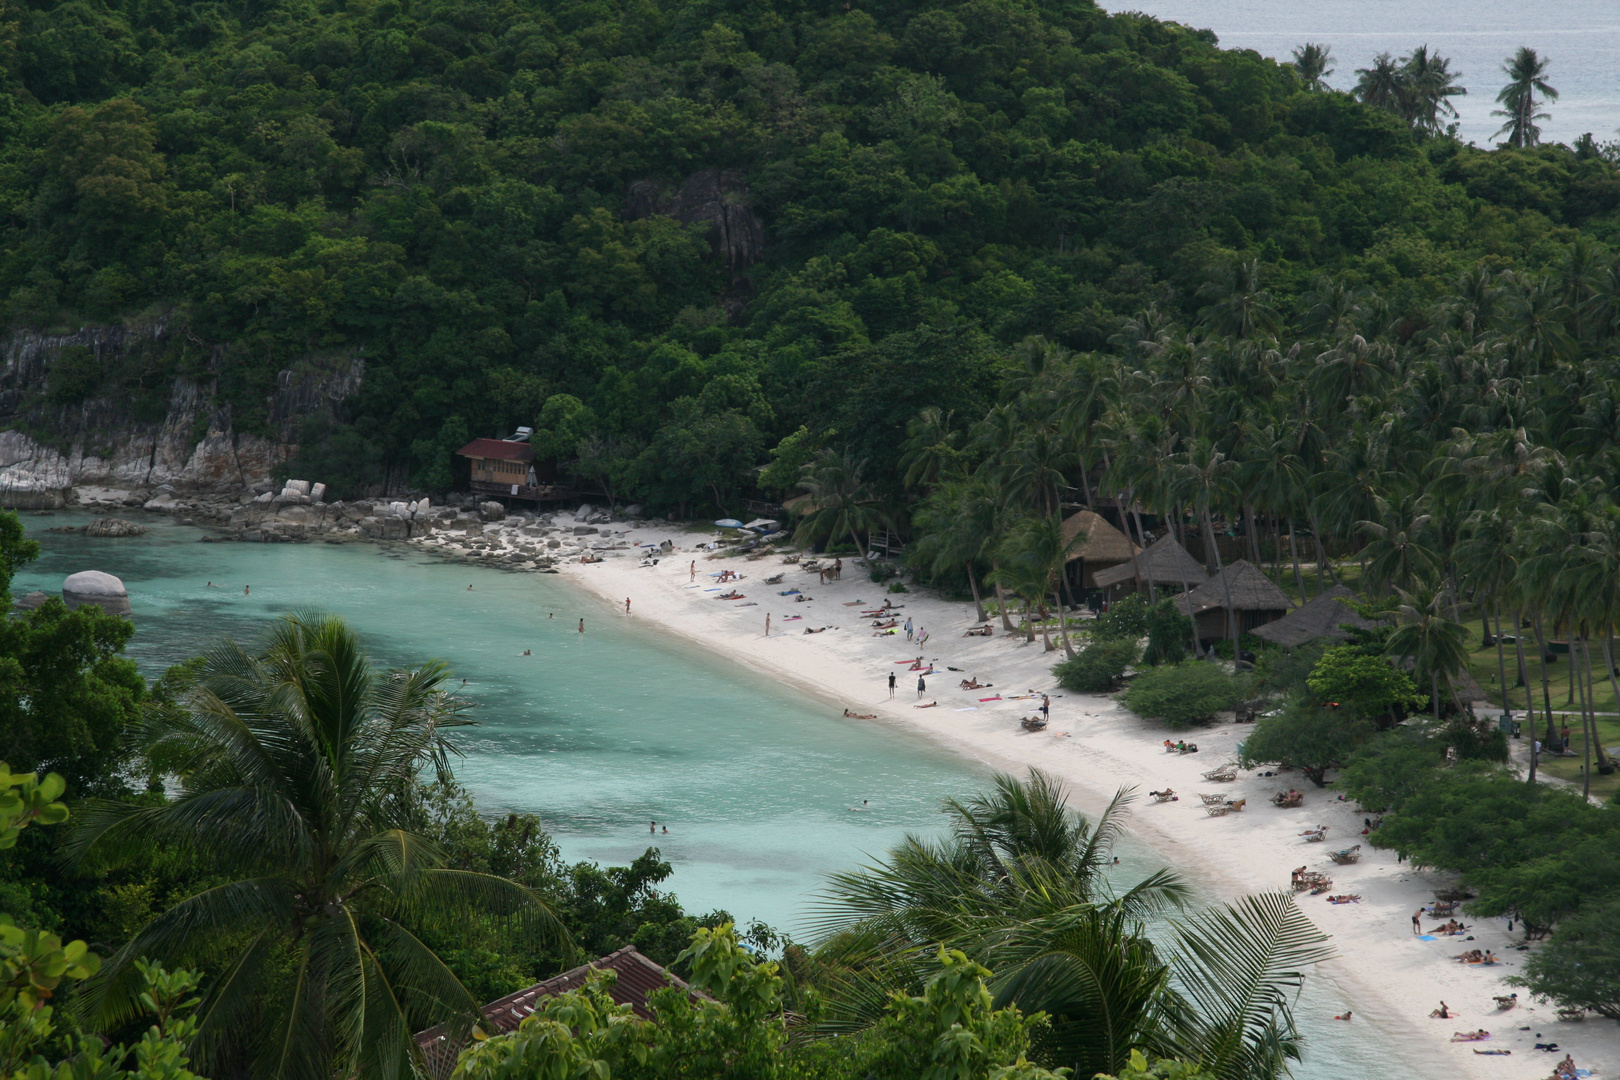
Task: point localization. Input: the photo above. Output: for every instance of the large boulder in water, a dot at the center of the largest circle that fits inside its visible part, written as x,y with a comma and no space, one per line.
95,587
113,527
33,600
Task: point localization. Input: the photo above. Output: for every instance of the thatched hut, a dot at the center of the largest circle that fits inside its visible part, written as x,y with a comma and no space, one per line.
1323,617
1165,563
1101,547
1255,601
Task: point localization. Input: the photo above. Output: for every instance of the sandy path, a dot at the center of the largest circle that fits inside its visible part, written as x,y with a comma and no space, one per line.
1388,977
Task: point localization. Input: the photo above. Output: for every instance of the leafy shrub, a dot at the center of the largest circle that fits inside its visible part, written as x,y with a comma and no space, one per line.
1350,675
1123,621
1168,631
1187,693
1580,967
1097,668
1307,736
898,587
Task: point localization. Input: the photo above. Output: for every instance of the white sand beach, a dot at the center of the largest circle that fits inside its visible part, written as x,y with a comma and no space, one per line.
1389,978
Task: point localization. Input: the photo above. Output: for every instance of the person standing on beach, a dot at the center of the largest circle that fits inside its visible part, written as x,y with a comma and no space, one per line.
908,628
1417,921
627,605
582,626
1046,706
767,624
921,686
891,684
692,572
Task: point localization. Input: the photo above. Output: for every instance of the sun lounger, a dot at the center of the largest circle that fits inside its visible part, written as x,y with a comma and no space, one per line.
1572,1014
1223,775
1347,856
1212,800
1313,881
1316,835
1224,808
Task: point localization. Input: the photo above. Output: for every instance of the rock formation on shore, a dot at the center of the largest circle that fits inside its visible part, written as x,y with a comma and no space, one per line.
98,588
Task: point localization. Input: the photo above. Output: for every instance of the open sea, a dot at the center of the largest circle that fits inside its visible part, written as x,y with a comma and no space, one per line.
1580,37
598,735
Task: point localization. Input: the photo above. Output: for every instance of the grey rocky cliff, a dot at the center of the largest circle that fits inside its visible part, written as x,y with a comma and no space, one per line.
718,198
101,452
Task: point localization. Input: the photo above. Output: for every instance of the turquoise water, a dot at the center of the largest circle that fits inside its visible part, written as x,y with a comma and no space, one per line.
600,734
1580,37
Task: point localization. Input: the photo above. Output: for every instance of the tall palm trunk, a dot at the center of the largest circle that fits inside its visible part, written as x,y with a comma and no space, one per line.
1323,565
1001,601
1546,688
1141,541
1063,628
865,558
1608,663
1029,624
1226,587
1299,578
1529,695
973,583
1586,722
1501,662
1434,694
1604,765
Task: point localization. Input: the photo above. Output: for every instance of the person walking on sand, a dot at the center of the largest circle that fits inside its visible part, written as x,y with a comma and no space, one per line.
582,626
891,684
691,575
767,624
627,605
921,686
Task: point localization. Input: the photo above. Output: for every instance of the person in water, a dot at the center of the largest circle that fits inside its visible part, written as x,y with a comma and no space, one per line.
582,626
652,826
211,585
527,652
247,590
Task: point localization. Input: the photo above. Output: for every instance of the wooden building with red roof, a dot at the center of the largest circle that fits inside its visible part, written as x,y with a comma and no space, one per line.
506,469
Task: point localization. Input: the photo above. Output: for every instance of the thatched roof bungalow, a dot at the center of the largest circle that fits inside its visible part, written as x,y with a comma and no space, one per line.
1255,601
1165,563
1101,547
1323,617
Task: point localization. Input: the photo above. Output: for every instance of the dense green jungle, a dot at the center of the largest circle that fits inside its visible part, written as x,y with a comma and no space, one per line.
677,234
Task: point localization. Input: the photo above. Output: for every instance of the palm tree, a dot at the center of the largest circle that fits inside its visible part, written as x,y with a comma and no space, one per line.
1527,76
1314,64
1383,85
958,524
293,766
1399,552
1432,642
841,501
1020,886
1033,561
1430,83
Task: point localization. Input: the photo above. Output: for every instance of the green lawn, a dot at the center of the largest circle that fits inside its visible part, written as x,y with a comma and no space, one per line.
1482,665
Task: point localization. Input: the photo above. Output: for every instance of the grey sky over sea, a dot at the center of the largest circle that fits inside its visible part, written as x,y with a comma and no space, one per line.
1581,37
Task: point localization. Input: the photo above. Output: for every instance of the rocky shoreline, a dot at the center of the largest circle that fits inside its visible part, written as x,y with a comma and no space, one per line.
461,527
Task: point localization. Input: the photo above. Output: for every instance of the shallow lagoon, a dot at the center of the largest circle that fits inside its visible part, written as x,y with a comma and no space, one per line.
601,734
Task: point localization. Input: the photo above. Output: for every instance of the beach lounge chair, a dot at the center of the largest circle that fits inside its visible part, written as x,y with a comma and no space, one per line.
1572,1014
1221,809
1212,800
1313,881
1223,775
1504,1002
1347,856
790,560
1162,796
1316,835
774,579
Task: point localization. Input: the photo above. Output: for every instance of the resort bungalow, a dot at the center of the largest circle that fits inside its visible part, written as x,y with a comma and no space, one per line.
1321,618
1165,563
506,469
1101,547
1254,600
635,978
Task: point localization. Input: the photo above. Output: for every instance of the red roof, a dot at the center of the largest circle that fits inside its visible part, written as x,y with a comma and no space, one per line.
637,977
498,448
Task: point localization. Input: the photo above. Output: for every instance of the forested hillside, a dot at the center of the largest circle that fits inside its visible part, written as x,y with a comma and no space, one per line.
471,196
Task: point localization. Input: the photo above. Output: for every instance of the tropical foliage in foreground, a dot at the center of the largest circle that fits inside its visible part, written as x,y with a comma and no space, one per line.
293,764
1021,887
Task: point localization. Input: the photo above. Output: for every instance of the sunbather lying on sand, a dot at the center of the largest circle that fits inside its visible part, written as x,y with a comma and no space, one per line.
1163,796
817,630
975,684
1472,956
926,705
1449,928
978,631
1345,898
801,599
1470,1036
880,625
